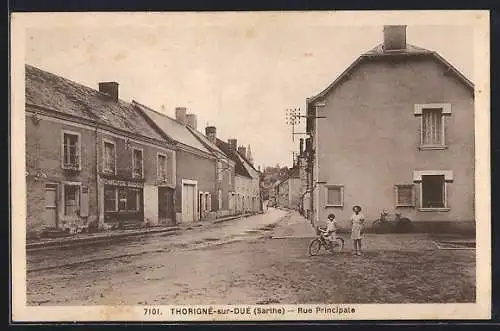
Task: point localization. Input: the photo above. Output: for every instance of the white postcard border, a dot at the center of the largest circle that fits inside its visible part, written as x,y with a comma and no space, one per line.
479,310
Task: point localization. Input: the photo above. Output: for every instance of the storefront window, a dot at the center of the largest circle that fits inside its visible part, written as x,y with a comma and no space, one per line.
109,198
122,198
133,200
129,199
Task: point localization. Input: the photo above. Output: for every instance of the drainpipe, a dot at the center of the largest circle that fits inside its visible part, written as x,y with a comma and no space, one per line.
98,207
217,211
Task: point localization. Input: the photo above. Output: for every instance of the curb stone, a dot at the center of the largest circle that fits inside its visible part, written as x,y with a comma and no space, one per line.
92,240
172,230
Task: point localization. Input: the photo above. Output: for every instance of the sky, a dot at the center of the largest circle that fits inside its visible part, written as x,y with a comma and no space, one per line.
238,77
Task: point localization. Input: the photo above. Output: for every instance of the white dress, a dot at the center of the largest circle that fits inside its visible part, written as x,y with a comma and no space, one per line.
357,226
331,228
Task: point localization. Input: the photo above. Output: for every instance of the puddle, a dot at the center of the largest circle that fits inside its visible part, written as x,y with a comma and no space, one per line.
170,233
210,239
455,244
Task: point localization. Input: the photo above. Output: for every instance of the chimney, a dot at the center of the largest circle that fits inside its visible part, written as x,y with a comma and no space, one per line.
301,147
394,37
191,121
211,133
109,88
232,144
243,151
180,114
308,145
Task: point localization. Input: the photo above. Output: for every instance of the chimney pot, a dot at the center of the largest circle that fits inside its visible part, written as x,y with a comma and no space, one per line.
211,133
191,121
394,37
109,88
180,114
232,144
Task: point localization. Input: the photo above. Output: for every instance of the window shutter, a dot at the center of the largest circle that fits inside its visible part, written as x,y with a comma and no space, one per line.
84,202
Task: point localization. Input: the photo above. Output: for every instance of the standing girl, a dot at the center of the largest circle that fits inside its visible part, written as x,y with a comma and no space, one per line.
357,220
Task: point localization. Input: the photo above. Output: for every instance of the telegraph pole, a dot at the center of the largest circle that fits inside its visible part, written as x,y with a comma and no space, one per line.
292,117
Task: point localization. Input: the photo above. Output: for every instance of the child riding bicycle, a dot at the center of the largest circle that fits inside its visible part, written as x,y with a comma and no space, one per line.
330,233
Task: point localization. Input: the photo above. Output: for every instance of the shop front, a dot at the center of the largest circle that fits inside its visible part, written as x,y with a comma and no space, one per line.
123,202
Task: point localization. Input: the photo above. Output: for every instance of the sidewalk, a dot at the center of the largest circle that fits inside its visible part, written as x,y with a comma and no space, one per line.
87,238
299,228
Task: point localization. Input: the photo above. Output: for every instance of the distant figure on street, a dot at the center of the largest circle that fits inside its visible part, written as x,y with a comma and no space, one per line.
357,220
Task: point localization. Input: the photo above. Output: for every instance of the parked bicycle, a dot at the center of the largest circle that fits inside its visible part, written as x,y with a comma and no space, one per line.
321,242
392,223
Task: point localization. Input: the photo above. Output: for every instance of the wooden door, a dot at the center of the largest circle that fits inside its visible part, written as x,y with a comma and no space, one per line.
188,203
50,213
165,204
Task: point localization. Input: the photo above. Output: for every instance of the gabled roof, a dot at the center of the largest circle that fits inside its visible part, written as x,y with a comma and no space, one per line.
247,162
171,127
205,141
239,167
58,94
378,52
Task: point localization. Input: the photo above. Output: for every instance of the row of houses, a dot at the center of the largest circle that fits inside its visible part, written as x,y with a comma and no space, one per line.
395,131
94,159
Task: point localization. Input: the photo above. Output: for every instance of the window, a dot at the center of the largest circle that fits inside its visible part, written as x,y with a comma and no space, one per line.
432,128
202,201
209,202
129,199
110,198
71,199
335,196
405,196
137,161
109,157
71,150
220,199
220,172
162,167
133,196
433,191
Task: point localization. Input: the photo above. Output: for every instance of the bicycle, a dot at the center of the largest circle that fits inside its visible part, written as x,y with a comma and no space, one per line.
332,247
397,224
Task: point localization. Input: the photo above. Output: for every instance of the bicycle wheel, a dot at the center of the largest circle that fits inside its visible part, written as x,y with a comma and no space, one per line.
337,246
314,247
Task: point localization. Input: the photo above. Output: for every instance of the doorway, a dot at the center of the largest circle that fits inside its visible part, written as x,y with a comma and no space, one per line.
189,202
165,205
50,212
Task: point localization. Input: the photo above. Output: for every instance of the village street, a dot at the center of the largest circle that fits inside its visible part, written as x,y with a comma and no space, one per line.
255,260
